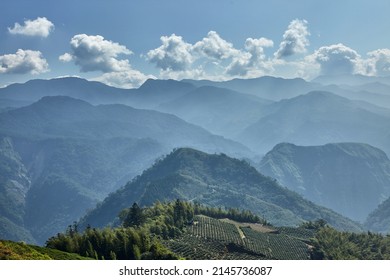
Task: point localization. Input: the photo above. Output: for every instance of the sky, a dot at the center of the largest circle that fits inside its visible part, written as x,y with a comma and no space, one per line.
124,42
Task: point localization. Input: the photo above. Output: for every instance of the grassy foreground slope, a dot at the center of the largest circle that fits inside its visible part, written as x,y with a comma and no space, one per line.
10,250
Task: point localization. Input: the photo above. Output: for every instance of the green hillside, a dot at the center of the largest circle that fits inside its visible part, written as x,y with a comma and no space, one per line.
10,250
214,180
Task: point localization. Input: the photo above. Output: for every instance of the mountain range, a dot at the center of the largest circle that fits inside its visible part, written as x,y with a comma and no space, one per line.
71,154
67,143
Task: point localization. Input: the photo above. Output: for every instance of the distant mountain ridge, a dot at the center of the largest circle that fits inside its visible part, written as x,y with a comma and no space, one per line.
219,110
94,92
351,178
62,116
267,87
353,80
317,118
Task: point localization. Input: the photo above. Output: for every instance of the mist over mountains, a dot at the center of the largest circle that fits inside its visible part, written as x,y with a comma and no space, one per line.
67,143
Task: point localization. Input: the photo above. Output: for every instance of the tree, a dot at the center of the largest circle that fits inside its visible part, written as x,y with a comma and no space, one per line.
179,214
135,217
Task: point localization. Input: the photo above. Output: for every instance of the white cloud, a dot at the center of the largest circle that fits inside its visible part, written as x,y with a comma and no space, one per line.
94,53
66,57
251,62
214,47
197,73
215,58
125,79
294,39
337,60
23,62
240,65
305,68
210,57
378,63
173,55
40,27
256,48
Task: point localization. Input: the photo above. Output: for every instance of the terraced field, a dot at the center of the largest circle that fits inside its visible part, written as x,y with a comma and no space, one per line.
209,238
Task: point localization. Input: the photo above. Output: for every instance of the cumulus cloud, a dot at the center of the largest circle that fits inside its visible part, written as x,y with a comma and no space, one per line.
177,58
240,65
40,27
94,53
337,60
252,60
214,47
23,62
174,54
256,49
196,73
378,62
66,57
294,39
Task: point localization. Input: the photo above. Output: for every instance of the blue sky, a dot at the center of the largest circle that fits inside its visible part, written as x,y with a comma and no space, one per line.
122,42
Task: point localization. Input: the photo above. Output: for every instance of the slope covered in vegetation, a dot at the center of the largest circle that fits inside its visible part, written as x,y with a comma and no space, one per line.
216,180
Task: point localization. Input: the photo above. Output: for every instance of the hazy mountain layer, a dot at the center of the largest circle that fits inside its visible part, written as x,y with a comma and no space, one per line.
266,87
349,178
318,118
61,116
221,111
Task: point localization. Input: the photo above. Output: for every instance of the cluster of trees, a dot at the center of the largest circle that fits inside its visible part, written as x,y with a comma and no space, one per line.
141,231
331,244
111,244
169,219
166,220
243,216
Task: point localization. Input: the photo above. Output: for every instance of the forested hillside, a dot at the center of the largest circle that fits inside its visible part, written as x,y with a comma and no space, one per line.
215,180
